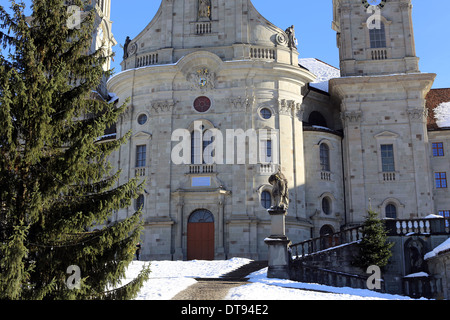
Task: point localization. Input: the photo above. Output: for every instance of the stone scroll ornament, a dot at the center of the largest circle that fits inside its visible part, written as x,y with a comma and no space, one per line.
280,191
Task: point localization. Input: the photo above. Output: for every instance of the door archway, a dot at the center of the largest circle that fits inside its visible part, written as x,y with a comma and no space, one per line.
200,235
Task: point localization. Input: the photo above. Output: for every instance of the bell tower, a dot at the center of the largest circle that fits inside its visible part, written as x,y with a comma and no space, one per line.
381,95
103,37
375,37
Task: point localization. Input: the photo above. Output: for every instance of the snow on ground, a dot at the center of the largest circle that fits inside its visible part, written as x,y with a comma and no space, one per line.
168,278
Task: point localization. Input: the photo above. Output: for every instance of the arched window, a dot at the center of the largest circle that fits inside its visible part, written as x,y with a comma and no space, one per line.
201,216
378,37
326,205
324,157
266,199
391,211
198,145
317,119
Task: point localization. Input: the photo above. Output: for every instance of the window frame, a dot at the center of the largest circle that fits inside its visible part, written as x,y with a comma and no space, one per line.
391,164
390,205
141,156
324,157
378,37
441,178
264,201
436,148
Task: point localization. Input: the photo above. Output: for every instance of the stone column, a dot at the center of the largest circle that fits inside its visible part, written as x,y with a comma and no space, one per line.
278,245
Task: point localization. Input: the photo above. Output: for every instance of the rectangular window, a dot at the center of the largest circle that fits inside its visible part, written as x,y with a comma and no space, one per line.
438,149
387,158
141,156
441,179
378,37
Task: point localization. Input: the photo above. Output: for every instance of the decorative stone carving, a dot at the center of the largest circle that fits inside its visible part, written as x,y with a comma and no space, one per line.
162,106
281,39
351,117
288,107
242,102
419,114
203,79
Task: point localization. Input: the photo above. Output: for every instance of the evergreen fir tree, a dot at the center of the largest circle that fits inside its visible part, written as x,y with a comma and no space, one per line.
57,188
374,247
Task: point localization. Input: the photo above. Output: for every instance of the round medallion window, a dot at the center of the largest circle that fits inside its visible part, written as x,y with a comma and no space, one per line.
265,113
202,104
142,119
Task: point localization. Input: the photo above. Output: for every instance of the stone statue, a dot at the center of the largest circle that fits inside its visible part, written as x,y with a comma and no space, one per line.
125,47
291,37
280,190
204,9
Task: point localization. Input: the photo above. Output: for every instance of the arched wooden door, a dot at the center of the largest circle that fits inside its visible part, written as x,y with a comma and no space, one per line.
200,235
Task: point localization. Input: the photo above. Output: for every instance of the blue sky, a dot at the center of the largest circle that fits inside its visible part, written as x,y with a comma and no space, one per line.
312,20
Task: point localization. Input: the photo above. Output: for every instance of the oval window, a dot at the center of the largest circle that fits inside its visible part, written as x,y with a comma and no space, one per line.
265,113
142,119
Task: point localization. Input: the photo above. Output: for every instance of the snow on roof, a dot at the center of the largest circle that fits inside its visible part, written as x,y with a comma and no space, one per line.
442,114
439,249
323,71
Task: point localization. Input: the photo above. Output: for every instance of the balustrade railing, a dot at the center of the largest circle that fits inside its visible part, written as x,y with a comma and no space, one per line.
203,28
147,60
315,245
201,168
310,274
262,53
427,226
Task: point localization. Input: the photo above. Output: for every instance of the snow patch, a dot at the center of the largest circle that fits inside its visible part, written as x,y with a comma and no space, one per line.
168,278
441,248
442,114
323,71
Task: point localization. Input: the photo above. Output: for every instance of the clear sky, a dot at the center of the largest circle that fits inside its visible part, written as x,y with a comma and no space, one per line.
312,21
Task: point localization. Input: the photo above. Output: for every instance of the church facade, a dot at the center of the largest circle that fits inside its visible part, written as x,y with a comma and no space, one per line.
219,101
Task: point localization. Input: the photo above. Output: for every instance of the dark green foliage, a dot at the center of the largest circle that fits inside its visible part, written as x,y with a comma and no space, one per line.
374,247
57,189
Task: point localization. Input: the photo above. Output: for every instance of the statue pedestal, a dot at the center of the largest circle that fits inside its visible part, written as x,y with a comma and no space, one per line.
278,264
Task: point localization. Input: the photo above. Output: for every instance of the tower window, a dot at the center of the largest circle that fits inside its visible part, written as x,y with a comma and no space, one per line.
387,158
378,37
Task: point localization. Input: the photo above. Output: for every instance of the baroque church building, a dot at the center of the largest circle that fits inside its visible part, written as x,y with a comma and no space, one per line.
219,100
